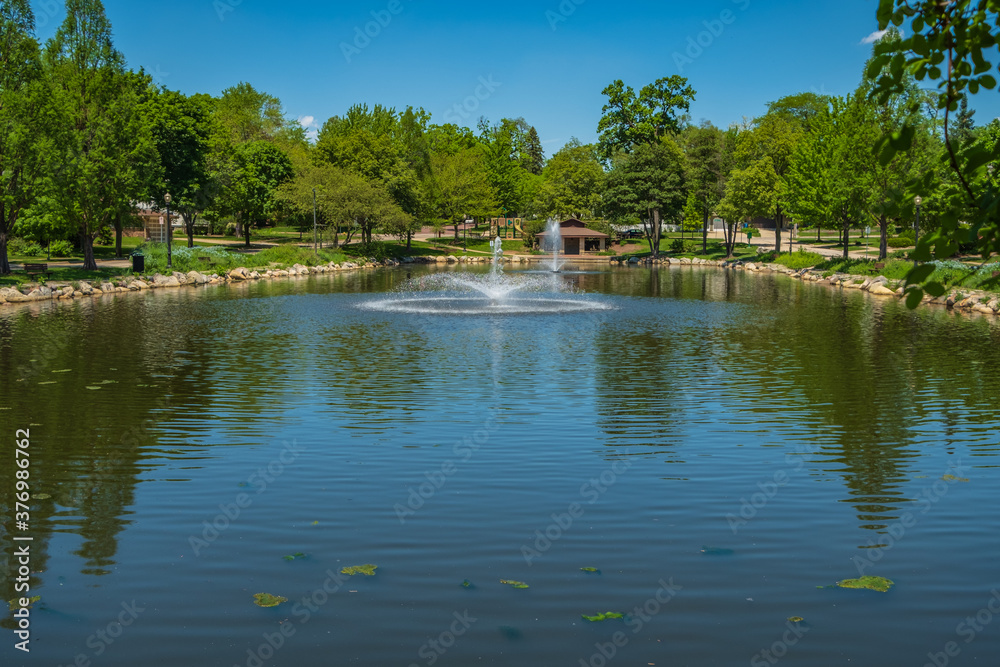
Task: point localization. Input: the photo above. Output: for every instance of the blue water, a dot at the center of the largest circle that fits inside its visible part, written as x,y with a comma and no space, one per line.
723,448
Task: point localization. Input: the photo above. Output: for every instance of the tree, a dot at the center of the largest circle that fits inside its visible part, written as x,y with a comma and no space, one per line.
692,213
250,191
628,120
572,182
750,192
103,158
963,34
965,124
21,116
774,136
707,169
462,187
247,115
182,130
648,184
533,157
499,145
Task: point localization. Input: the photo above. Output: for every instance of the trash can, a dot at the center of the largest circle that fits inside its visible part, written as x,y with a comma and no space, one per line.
138,262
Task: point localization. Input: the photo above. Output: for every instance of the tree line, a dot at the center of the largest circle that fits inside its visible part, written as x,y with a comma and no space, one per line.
84,140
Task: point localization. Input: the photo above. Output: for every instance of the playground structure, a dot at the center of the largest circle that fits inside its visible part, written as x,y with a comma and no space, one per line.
506,228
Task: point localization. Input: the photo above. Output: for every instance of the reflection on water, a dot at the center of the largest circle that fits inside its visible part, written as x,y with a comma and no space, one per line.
775,431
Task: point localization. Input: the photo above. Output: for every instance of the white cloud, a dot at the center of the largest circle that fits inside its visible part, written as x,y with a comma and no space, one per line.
312,127
874,37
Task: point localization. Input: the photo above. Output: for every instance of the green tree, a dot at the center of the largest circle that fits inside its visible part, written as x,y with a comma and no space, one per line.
533,156
500,146
462,187
572,182
963,34
693,217
629,120
648,184
21,117
246,114
103,158
707,168
252,179
182,130
750,192
773,136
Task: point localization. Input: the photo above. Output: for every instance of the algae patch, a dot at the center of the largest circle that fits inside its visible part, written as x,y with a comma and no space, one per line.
268,600
880,584
368,570
515,584
602,617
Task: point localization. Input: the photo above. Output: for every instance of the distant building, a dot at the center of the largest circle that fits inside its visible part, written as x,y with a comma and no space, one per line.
577,239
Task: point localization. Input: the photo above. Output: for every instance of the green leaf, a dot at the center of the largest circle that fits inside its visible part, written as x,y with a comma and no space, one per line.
935,289
988,82
914,297
919,274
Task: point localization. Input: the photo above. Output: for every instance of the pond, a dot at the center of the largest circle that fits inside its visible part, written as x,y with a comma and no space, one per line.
704,453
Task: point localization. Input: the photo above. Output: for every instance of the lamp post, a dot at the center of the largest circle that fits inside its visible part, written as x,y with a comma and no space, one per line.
918,200
315,250
170,232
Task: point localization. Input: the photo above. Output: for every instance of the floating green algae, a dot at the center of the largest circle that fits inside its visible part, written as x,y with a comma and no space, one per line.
953,478
15,604
603,617
592,570
268,600
515,584
368,570
880,584
294,556
467,584
796,619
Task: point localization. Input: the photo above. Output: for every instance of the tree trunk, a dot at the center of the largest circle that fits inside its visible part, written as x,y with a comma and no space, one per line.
778,220
456,231
883,233
118,240
847,237
87,243
704,235
657,227
246,232
189,220
4,260
409,238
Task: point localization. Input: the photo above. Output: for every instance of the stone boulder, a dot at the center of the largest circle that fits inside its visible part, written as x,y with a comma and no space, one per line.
165,281
239,274
880,290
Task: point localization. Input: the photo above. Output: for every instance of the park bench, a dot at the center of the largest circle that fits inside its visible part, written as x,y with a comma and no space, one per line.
37,269
878,267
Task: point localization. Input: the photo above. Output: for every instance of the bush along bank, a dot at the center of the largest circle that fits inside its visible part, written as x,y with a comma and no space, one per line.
968,300
79,289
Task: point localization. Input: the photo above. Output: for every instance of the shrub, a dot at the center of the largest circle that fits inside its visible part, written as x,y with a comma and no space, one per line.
899,242
24,247
61,248
799,260
684,246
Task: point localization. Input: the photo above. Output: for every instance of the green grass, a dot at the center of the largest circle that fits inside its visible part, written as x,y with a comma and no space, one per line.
798,260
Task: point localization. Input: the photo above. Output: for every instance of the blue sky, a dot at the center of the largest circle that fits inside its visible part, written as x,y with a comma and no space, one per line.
546,60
